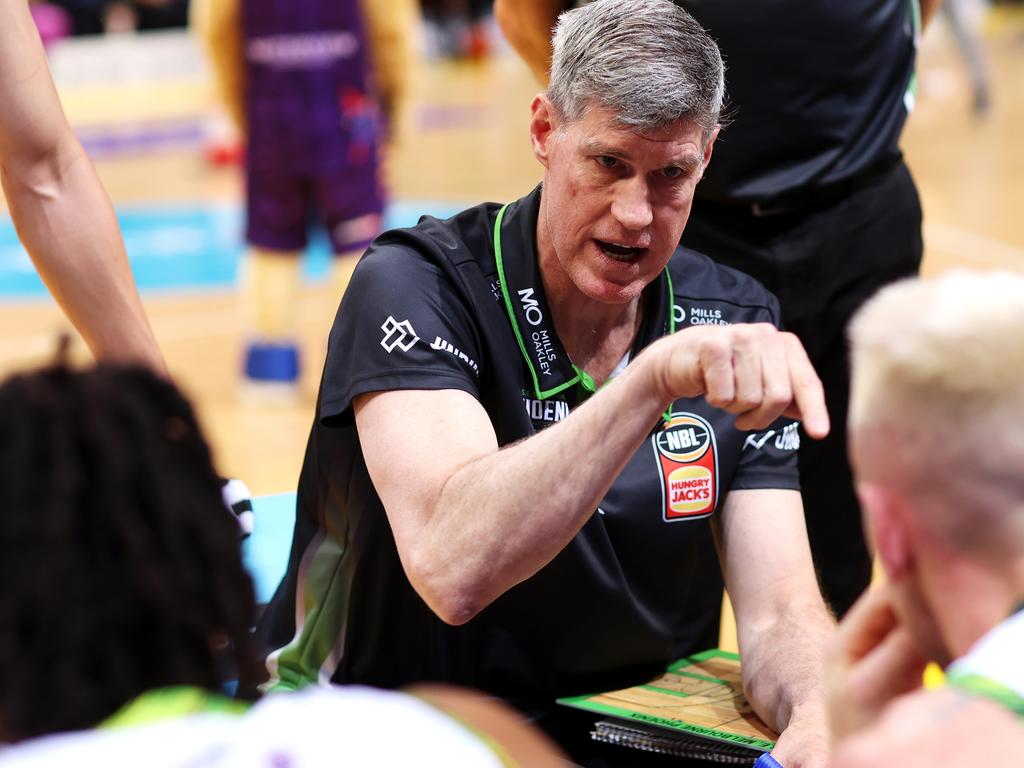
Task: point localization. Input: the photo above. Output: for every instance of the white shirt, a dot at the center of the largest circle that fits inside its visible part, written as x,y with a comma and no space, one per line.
350,726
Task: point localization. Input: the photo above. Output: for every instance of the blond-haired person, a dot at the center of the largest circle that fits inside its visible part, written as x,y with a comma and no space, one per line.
936,442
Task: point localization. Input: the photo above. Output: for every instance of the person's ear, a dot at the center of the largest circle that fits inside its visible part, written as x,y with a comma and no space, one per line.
543,124
884,519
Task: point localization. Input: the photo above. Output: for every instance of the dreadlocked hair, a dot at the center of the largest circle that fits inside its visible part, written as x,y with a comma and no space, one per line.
121,569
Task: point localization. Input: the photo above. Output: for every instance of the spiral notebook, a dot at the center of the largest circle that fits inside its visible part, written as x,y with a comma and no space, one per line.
696,708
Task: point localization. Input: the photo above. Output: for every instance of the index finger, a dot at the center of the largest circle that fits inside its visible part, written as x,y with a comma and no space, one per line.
808,395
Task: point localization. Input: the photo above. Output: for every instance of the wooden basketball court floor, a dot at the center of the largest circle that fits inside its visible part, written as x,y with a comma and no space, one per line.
463,139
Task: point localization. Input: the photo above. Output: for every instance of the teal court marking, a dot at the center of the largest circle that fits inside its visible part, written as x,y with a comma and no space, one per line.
266,551
186,247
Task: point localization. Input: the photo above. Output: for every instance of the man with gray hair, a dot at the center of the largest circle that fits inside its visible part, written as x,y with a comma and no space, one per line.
514,451
936,408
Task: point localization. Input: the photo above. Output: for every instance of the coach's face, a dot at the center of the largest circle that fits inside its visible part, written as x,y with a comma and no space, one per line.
615,200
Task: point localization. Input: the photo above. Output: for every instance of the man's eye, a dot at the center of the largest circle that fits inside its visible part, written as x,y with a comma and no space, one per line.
607,161
672,172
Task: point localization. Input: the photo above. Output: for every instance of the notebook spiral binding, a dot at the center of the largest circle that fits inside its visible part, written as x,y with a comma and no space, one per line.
676,745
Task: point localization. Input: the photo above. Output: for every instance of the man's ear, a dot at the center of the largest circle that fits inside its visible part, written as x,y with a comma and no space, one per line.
543,123
884,519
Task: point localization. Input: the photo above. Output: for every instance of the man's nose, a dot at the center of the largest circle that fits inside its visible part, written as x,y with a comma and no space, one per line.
631,206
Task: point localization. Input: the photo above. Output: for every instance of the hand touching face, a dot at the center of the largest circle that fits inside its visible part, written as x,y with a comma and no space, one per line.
873,661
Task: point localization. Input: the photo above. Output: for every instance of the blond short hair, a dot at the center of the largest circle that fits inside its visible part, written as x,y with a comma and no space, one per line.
937,401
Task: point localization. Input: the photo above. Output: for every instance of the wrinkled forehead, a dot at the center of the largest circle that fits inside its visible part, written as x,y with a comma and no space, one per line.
601,131
595,113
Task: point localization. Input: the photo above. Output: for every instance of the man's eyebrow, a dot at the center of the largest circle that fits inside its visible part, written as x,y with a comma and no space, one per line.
688,161
596,147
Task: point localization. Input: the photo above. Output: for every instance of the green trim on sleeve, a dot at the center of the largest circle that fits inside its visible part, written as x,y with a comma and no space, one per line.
322,595
987,688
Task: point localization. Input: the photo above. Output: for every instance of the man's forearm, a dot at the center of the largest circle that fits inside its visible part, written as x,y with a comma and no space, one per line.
783,663
59,207
545,496
68,227
470,520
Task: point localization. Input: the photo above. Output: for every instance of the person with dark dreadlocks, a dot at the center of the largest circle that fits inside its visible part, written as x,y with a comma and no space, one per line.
126,604
64,218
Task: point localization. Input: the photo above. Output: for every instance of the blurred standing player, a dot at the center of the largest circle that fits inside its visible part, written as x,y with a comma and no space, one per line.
60,210
808,193
298,78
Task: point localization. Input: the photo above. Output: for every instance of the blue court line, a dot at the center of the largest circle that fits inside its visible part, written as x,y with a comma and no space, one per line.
174,248
266,552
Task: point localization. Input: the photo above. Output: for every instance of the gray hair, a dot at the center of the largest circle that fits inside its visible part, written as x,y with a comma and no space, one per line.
647,60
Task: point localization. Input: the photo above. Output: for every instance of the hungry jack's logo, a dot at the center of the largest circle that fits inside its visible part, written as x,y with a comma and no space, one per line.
688,466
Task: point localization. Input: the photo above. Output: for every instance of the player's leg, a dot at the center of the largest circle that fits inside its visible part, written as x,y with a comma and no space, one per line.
822,263
832,261
873,238
271,282
349,240
353,206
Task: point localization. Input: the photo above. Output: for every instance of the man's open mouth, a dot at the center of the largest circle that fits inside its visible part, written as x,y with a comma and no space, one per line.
618,251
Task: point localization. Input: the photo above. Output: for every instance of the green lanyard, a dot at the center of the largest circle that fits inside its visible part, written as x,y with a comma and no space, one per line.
583,379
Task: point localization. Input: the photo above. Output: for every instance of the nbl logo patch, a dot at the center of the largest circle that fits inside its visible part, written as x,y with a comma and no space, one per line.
688,467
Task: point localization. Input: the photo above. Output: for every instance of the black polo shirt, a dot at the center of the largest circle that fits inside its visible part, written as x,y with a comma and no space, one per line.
818,91
459,304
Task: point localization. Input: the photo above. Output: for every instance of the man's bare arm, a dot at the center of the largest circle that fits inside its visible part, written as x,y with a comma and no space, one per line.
470,520
527,26
781,619
60,210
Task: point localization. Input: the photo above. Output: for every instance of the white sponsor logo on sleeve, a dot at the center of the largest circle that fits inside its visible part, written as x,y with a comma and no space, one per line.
397,334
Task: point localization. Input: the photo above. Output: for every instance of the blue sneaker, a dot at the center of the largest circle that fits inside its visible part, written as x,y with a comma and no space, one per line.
272,371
